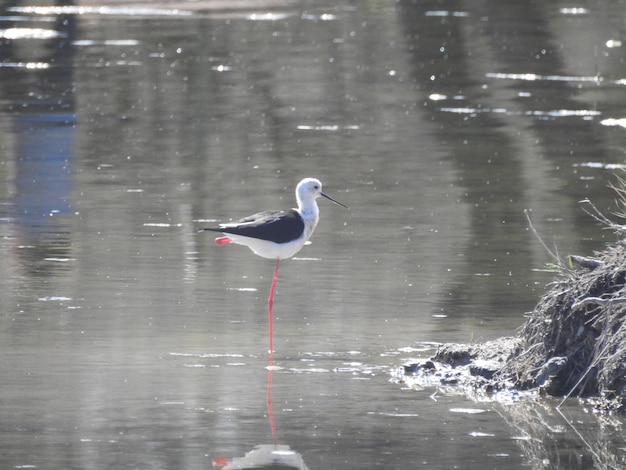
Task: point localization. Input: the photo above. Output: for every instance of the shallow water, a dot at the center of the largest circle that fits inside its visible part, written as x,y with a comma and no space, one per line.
130,340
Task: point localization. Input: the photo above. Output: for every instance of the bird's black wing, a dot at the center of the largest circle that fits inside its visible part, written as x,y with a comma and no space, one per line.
275,226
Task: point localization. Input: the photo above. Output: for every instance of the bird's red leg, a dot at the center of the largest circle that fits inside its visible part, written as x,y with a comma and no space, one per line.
270,411
270,305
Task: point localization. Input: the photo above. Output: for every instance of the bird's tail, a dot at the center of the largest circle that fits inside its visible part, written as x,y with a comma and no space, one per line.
219,240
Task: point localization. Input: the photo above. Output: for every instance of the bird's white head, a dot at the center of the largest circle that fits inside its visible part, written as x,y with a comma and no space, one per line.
307,191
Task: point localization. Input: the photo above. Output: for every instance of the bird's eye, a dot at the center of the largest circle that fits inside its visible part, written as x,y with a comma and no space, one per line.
316,187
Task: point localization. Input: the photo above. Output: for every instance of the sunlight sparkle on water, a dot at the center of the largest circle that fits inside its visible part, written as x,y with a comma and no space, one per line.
573,11
437,97
29,33
614,122
446,13
267,16
25,65
322,17
82,10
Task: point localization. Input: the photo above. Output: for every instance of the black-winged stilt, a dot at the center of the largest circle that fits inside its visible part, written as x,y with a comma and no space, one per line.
277,234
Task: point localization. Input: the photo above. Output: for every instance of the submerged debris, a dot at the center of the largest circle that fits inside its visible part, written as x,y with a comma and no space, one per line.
468,368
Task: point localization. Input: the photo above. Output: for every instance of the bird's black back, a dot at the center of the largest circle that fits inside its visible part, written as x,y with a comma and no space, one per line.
275,226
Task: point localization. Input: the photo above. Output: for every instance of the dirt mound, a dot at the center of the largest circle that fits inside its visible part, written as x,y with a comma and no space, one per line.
572,344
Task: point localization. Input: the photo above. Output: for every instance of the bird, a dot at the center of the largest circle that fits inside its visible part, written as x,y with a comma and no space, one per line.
278,234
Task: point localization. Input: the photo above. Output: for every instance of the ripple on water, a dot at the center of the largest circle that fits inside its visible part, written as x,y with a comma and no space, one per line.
216,364
107,42
310,370
533,77
440,13
394,415
204,355
601,165
584,113
52,298
469,411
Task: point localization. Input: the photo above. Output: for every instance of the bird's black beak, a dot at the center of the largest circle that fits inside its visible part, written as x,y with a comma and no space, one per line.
331,199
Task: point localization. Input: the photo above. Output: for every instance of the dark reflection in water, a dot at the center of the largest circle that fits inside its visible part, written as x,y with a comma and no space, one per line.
38,136
129,340
481,120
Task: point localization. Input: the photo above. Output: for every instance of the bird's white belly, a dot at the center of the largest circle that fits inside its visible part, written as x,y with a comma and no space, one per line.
268,249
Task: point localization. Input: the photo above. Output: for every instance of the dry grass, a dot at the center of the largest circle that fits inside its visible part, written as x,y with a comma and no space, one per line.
574,342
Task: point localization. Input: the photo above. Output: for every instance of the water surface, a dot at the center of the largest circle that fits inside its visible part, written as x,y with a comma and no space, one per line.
130,340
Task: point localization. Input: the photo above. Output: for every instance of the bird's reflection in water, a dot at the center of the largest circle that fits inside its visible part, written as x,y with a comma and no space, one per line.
267,457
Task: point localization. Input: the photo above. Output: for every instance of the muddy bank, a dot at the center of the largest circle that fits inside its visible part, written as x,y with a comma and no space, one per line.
573,344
